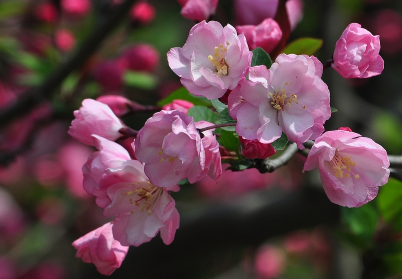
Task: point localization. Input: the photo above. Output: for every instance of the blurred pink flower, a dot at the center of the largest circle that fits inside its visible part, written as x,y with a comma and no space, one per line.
7,269
100,248
356,53
12,220
171,148
46,12
253,12
142,12
118,104
388,25
213,59
109,74
64,39
290,97
254,149
269,262
94,118
352,167
198,10
76,7
265,35
141,57
182,105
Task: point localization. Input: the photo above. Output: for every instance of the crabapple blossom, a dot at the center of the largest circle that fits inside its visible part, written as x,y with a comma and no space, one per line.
265,35
100,248
172,149
198,10
356,53
213,59
76,7
121,187
254,149
290,97
95,118
352,167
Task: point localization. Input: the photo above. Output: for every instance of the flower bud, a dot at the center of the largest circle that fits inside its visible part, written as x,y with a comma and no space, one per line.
64,39
141,58
142,12
182,105
254,149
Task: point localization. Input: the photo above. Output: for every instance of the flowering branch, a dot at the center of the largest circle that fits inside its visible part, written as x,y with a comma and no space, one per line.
37,95
269,165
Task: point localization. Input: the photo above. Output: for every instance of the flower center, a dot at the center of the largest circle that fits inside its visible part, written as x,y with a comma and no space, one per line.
342,166
279,99
147,197
218,59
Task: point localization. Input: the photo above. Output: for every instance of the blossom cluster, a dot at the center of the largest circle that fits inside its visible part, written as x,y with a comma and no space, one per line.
132,184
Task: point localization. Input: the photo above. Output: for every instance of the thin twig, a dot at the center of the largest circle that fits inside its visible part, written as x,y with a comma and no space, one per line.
268,165
35,96
216,126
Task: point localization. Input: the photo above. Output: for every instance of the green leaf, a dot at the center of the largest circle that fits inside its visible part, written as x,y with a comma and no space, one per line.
140,80
11,8
183,94
260,57
183,182
200,113
32,62
333,110
307,46
225,118
229,140
280,143
361,223
389,203
218,105
238,165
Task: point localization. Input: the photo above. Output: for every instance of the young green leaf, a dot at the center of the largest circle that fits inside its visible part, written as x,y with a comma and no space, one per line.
140,80
200,113
307,46
183,94
225,118
229,140
280,143
260,57
218,105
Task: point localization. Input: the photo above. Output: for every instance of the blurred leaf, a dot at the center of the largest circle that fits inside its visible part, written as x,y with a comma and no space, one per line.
280,143
350,6
183,182
260,57
387,127
200,113
218,105
333,110
237,165
361,223
389,202
229,140
183,94
224,118
9,45
140,80
70,83
31,79
307,46
11,8
32,62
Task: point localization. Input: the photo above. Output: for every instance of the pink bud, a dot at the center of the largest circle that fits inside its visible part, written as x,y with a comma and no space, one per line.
110,75
141,58
182,105
142,12
118,104
65,40
345,129
46,12
265,35
254,149
356,53
269,262
198,10
100,248
76,7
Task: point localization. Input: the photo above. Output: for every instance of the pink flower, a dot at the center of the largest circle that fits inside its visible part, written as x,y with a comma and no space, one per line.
109,74
118,104
269,262
356,53
351,167
95,118
213,59
254,149
141,57
290,97
100,248
253,12
171,148
142,12
265,35
76,7
198,10
46,12
182,105
65,40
